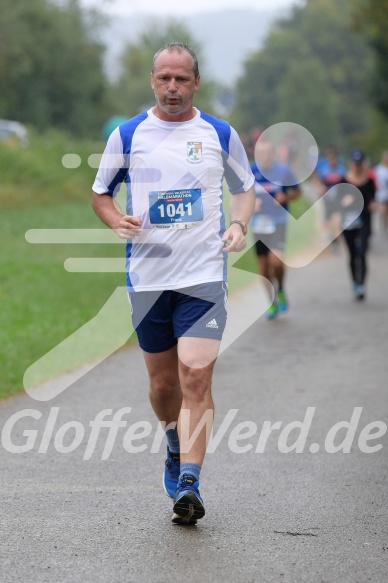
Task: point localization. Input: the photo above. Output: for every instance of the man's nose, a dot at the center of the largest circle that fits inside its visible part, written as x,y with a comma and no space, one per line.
172,86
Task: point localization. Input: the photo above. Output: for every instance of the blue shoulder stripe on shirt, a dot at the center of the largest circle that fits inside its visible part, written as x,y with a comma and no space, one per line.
222,128
127,129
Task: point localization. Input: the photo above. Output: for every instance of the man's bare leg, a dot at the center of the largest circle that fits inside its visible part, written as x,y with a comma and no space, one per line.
197,357
277,267
165,391
166,400
196,362
184,385
265,271
180,389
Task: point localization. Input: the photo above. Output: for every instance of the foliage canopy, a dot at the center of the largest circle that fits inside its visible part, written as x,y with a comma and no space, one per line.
313,70
51,71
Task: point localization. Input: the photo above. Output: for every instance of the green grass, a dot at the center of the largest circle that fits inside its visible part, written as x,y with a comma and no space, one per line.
42,303
35,175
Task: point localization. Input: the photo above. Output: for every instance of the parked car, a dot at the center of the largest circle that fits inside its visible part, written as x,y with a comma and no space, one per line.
13,132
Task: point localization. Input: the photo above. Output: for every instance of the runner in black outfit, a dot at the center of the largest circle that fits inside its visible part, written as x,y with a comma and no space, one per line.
357,234
330,172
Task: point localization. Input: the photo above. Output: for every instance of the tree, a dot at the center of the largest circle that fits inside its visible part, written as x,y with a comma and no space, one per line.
371,19
330,64
312,105
133,90
50,67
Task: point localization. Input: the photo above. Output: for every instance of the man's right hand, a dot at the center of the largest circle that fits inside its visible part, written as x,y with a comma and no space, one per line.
128,227
107,209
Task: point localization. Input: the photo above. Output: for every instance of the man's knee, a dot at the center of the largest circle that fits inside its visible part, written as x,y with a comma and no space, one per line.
196,382
164,385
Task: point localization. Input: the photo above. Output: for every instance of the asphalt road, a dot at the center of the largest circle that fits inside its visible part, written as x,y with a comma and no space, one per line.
272,516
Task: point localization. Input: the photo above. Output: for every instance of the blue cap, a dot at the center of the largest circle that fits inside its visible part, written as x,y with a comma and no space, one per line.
357,156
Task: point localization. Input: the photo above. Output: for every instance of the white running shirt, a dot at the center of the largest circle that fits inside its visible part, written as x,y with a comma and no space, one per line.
381,173
174,173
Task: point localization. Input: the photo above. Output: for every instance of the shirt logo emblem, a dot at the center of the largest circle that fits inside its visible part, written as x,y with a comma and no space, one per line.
194,152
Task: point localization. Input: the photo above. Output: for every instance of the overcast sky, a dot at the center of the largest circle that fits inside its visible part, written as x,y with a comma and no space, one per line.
179,7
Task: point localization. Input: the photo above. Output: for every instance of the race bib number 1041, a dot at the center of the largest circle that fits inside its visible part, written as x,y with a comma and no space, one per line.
175,209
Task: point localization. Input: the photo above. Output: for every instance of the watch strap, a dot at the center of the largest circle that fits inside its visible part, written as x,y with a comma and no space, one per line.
243,226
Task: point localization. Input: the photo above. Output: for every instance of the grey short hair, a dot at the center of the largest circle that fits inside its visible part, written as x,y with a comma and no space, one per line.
179,47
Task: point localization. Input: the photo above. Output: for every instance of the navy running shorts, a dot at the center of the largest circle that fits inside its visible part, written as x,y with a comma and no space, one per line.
161,317
271,241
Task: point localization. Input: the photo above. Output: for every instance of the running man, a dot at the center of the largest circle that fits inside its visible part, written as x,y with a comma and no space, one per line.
275,187
174,158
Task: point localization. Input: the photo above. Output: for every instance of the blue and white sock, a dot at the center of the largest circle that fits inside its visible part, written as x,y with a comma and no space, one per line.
173,440
192,469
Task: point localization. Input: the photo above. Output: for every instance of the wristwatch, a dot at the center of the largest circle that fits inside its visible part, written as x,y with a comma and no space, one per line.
242,225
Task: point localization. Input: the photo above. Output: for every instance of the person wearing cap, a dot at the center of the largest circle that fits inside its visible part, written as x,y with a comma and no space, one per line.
357,233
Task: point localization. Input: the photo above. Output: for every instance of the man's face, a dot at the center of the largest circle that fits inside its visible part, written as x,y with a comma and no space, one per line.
357,165
174,85
331,157
264,154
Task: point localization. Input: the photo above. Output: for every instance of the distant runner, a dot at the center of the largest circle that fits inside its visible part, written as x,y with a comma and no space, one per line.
275,187
329,173
357,233
381,176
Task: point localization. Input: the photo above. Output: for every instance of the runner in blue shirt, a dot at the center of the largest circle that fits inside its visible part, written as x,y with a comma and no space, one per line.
275,187
329,173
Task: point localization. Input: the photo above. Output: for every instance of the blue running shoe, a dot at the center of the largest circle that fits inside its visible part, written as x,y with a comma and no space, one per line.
359,291
282,301
171,473
188,504
272,311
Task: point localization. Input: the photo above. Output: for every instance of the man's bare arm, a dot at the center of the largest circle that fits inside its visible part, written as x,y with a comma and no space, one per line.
106,209
241,209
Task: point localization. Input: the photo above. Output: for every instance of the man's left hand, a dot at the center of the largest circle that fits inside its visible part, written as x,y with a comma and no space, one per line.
236,237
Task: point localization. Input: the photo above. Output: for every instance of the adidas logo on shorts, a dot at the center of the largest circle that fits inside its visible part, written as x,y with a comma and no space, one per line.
212,324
